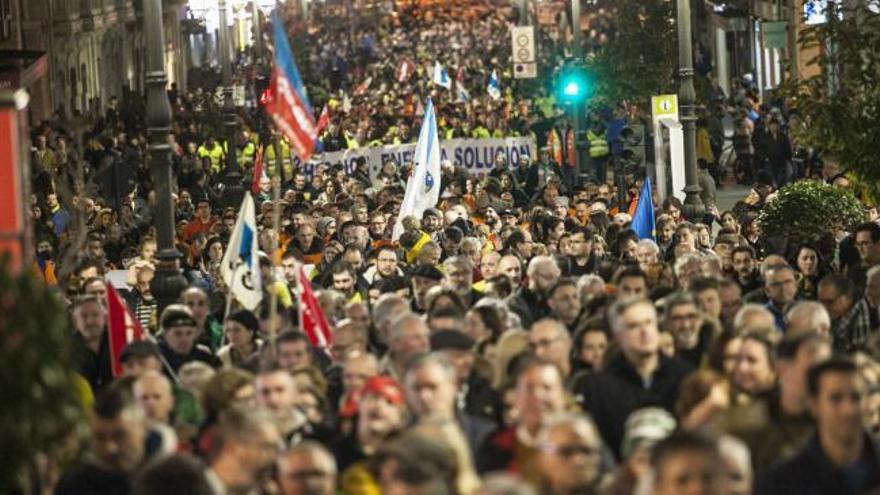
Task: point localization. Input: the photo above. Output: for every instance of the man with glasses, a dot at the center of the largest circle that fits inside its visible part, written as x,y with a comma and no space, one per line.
569,457
202,222
307,469
691,331
378,229
385,267
780,286
850,314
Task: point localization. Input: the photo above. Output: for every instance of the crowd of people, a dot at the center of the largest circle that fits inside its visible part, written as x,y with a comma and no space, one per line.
518,338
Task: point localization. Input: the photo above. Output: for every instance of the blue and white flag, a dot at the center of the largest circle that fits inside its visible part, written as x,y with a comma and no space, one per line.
494,88
643,218
441,78
240,267
423,186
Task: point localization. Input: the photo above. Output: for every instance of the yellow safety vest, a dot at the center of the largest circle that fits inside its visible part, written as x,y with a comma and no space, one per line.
598,145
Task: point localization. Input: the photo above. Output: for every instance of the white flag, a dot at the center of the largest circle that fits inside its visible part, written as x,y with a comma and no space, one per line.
441,78
241,262
494,88
423,186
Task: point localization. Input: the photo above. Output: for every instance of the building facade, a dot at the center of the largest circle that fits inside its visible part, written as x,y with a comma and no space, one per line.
95,47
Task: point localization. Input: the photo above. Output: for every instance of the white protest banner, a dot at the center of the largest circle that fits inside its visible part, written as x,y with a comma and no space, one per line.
476,156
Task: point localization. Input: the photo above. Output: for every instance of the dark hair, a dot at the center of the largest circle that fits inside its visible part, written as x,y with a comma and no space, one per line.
679,442
872,227
112,401
292,337
629,271
744,248
453,233
841,283
700,284
791,344
341,266
715,356
178,473
833,365
492,318
562,282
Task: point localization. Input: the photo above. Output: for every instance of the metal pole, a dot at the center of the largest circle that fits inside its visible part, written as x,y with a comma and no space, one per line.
258,32
693,205
233,192
579,118
168,282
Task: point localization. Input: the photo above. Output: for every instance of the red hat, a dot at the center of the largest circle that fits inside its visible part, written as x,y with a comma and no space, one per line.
384,386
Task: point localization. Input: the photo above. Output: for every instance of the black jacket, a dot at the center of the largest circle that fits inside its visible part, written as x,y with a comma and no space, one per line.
811,473
95,368
198,353
528,306
90,479
615,392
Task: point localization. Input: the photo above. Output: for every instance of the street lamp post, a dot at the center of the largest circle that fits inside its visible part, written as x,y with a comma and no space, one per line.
168,281
233,191
693,205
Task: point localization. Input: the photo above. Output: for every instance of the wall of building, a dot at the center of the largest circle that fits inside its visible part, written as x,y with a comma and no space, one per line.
96,50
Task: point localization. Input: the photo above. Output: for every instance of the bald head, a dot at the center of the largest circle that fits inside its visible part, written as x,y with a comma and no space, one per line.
808,317
543,273
752,316
152,391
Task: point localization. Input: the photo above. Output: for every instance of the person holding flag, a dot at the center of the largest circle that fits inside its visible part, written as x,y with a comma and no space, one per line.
643,217
240,266
423,186
494,87
441,77
287,103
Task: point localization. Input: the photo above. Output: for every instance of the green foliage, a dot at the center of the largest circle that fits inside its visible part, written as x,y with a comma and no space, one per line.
810,211
841,105
38,389
641,58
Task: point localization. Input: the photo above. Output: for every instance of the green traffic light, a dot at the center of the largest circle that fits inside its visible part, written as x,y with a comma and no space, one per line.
572,89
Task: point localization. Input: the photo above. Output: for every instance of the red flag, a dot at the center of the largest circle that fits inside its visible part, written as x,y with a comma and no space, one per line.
323,120
364,86
312,321
258,171
404,70
122,327
459,76
287,102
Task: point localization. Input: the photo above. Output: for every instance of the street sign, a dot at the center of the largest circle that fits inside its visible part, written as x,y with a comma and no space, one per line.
664,107
523,39
525,71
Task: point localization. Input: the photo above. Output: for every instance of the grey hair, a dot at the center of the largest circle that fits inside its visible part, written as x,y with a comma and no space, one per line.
506,484
386,309
401,321
460,260
813,312
538,261
747,310
590,279
649,243
682,261
622,305
432,358
576,421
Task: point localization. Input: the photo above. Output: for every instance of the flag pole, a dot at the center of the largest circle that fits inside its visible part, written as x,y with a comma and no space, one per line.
276,243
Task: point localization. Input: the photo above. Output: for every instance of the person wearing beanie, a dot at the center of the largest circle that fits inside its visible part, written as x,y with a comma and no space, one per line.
178,332
243,349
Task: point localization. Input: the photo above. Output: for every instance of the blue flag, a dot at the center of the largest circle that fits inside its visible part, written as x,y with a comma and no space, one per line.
643,218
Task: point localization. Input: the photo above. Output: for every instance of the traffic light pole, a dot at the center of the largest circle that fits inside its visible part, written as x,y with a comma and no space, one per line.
579,107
